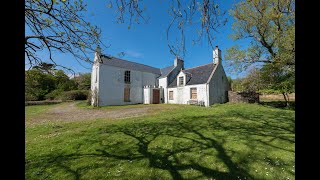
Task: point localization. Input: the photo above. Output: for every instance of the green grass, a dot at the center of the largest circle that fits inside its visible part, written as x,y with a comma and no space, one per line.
229,141
35,110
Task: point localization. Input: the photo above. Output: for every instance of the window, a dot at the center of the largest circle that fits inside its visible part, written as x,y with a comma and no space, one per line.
180,81
193,93
126,94
127,76
170,95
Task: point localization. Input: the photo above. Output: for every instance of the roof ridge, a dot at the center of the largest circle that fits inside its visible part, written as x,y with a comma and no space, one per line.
112,57
198,66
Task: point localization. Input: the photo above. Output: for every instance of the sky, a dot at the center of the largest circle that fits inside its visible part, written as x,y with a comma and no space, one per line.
147,43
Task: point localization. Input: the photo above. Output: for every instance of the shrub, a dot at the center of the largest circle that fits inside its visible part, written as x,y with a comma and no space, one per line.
89,98
53,94
29,103
74,95
30,97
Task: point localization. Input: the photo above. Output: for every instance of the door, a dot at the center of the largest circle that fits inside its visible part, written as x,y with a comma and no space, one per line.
156,96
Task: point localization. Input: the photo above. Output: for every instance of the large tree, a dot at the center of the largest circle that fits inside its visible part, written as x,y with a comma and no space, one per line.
270,27
277,79
38,84
61,26
58,26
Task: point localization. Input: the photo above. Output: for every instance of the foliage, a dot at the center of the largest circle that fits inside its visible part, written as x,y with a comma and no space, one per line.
58,25
28,103
250,83
270,27
30,97
230,141
270,79
63,82
54,94
230,80
38,84
74,95
83,81
43,84
89,98
277,79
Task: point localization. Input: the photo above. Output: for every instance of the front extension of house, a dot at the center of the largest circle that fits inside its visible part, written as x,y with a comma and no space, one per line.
116,81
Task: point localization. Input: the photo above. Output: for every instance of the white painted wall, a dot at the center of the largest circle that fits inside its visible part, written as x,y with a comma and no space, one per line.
163,82
218,86
111,85
182,94
147,96
94,82
181,74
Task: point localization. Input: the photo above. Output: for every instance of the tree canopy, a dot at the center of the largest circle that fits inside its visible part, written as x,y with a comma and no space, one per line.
270,27
40,84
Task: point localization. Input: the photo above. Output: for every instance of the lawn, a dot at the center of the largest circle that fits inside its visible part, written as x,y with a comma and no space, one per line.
229,141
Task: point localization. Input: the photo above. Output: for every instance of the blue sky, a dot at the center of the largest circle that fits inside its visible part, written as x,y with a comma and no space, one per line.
147,43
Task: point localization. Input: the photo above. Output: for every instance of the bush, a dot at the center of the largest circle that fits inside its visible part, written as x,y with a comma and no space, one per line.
30,97
74,95
89,98
29,103
53,94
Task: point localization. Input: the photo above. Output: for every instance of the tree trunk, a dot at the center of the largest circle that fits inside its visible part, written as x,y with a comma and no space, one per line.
286,98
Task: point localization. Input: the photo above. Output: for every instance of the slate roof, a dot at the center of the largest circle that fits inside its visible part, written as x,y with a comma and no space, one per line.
113,61
199,75
165,71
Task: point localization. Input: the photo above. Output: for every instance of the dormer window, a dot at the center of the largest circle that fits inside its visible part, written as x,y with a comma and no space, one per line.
181,81
127,77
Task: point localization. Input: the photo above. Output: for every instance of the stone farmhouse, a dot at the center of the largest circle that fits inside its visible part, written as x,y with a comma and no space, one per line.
116,81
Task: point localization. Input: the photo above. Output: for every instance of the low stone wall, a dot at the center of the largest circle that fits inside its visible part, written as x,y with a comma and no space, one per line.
248,97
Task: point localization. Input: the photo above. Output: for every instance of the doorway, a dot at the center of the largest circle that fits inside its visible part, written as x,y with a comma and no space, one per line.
156,96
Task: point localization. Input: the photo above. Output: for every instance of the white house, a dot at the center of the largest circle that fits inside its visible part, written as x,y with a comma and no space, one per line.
118,82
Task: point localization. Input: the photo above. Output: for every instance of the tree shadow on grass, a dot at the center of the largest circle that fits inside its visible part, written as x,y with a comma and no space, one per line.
279,104
187,135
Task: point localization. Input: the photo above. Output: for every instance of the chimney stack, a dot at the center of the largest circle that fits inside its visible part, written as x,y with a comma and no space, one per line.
97,54
98,49
216,55
178,62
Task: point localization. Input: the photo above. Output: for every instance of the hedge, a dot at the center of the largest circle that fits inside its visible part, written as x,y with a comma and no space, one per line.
28,103
74,95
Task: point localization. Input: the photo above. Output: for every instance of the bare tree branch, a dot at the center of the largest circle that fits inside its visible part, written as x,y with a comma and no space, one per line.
58,25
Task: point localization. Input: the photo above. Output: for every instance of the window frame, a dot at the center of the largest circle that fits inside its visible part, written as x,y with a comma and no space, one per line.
181,83
196,93
127,77
171,96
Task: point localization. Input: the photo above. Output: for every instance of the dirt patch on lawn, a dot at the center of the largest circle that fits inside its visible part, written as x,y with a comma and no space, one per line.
70,112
